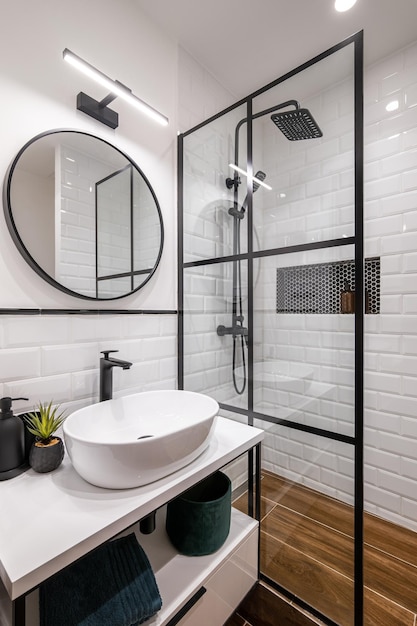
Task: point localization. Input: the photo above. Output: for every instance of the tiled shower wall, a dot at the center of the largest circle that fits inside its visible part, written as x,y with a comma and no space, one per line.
390,337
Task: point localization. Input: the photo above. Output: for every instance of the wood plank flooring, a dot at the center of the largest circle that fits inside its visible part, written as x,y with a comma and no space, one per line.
307,547
264,607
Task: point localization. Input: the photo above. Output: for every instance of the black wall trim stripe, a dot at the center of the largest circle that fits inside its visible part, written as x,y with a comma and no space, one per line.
86,312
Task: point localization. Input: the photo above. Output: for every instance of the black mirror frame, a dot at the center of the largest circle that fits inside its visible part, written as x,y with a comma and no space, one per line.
8,212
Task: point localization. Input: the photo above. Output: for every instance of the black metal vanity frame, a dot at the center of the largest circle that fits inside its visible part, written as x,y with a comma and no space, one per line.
254,510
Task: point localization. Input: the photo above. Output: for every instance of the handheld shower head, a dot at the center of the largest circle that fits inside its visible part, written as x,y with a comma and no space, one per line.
296,125
260,175
239,213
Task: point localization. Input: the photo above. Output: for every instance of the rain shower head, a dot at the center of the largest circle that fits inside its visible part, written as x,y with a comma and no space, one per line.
296,125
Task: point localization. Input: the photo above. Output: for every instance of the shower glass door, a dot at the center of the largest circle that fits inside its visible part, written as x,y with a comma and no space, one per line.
271,312
304,332
214,283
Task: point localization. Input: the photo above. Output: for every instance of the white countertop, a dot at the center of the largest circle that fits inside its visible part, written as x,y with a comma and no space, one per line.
47,521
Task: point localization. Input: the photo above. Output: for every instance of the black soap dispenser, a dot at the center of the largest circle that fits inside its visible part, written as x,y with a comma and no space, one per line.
12,438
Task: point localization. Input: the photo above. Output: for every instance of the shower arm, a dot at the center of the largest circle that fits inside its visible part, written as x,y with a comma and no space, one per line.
255,116
237,327
235,181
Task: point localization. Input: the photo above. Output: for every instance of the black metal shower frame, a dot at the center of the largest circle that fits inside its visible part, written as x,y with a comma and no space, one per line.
357,440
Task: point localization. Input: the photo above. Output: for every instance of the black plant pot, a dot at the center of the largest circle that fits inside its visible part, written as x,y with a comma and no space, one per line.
45,458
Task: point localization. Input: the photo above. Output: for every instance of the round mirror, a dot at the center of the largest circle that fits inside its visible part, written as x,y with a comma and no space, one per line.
83,215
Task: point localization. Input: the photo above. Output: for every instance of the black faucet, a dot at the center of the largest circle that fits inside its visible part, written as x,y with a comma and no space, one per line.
106,373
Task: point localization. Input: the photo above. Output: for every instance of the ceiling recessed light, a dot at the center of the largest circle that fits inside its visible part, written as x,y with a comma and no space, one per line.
344,5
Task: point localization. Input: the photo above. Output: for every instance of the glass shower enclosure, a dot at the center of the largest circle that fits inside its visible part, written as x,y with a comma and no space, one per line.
272,286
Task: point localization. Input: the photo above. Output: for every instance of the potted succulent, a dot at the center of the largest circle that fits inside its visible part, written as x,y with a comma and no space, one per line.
47,450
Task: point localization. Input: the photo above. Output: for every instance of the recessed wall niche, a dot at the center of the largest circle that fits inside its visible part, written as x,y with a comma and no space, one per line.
317,288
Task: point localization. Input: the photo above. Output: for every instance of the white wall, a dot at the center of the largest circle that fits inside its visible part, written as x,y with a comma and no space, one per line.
39,92
57,357
390,337
200,95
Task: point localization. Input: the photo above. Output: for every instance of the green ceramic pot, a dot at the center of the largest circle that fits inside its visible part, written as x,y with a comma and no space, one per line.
198,521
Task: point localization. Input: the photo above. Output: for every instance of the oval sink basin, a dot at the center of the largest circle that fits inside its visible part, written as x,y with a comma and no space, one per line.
137,439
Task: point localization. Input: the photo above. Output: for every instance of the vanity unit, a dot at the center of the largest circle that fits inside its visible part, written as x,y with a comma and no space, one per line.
49,521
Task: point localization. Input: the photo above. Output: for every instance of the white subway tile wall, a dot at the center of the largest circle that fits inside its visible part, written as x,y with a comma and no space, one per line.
56,358
75,221
319,201
391,226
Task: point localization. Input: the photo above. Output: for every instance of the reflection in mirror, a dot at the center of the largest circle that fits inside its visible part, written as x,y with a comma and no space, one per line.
83,215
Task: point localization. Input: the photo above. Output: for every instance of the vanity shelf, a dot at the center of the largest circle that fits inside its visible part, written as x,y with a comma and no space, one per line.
70,517
228,574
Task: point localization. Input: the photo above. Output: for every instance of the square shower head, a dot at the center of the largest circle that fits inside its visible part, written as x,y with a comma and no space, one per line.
296,125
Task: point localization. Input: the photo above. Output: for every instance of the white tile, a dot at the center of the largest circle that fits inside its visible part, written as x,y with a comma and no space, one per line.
85,384
398,485
410,220
384,226
142,325
383,343
71,358
409,424
410,262
20,363
392,264
409,344
85,328
409,468
396,444
403,283
410,303
168,371
380,188
409,510
399,203
381,497
398,323
31,330
384,147
379,381
45,389
377,421
396,244
399,364
343,484
168,325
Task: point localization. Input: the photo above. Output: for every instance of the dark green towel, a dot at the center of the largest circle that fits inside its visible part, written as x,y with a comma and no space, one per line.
114,586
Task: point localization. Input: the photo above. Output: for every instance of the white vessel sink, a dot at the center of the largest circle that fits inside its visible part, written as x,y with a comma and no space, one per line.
137,439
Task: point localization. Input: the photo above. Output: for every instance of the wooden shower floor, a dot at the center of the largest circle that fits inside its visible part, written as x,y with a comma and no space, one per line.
307,547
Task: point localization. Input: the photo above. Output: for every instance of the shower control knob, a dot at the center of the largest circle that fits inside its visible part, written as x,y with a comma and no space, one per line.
233,182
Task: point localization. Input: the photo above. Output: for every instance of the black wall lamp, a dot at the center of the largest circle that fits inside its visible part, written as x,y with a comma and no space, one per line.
99,110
